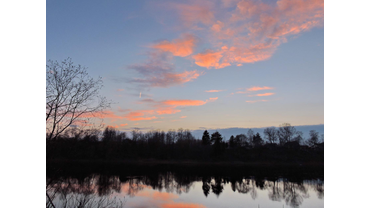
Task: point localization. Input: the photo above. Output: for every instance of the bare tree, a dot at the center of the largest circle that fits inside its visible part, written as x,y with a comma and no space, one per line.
314,138
250,135
71,96
286,133
271,134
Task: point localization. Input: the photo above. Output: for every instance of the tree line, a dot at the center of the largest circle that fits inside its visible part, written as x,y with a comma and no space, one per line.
284,141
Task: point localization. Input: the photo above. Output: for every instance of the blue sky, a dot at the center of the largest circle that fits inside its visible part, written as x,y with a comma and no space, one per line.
181,46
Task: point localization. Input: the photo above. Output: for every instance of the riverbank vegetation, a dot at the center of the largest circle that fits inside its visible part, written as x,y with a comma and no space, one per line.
283,144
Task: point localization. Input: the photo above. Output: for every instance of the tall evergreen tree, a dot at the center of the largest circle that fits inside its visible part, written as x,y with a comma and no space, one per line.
206,139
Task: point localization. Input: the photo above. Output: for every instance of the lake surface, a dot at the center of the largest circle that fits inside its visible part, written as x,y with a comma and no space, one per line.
183,188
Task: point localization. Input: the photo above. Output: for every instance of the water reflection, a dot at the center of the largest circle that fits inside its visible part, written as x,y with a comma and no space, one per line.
166,189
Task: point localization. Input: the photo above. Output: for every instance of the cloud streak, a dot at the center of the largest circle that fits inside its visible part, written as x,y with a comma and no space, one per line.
214,90
253,89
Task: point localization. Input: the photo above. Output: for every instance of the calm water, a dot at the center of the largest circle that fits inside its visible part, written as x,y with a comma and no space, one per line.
171,189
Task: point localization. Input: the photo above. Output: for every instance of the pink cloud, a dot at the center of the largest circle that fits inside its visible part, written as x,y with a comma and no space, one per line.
252,30
212,99
179,47
141,115
255,88
210,59
167,110
123,124
183,116
259,88
184,102
265,94
214,90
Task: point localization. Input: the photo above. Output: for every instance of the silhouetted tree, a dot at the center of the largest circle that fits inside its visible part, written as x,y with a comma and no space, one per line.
232,141
206,140
71,95
286,133
271,134
257,140
109,134
170,136
250,135
299,137
241,140
314,138
217,144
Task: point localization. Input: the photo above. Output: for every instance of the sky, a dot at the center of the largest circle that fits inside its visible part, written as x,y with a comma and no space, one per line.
197,64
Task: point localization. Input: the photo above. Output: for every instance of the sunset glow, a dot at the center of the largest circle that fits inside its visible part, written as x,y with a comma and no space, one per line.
196,64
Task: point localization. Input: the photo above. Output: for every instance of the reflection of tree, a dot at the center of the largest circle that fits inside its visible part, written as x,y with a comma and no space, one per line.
319,187
294,193
243,186
275,192
95,190
206,185
134,186
217,186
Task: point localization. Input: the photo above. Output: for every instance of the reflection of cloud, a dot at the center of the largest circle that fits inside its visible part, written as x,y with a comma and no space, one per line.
182,205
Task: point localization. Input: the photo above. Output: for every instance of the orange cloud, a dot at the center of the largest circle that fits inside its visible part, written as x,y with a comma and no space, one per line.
259,88
212,99
114,127
253,89
265,94
210,59
178,47
139,115
124,124
214,90
184,102
142,118
168,110
183,116
252,31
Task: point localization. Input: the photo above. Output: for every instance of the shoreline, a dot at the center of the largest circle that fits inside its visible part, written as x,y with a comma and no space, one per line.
188,162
